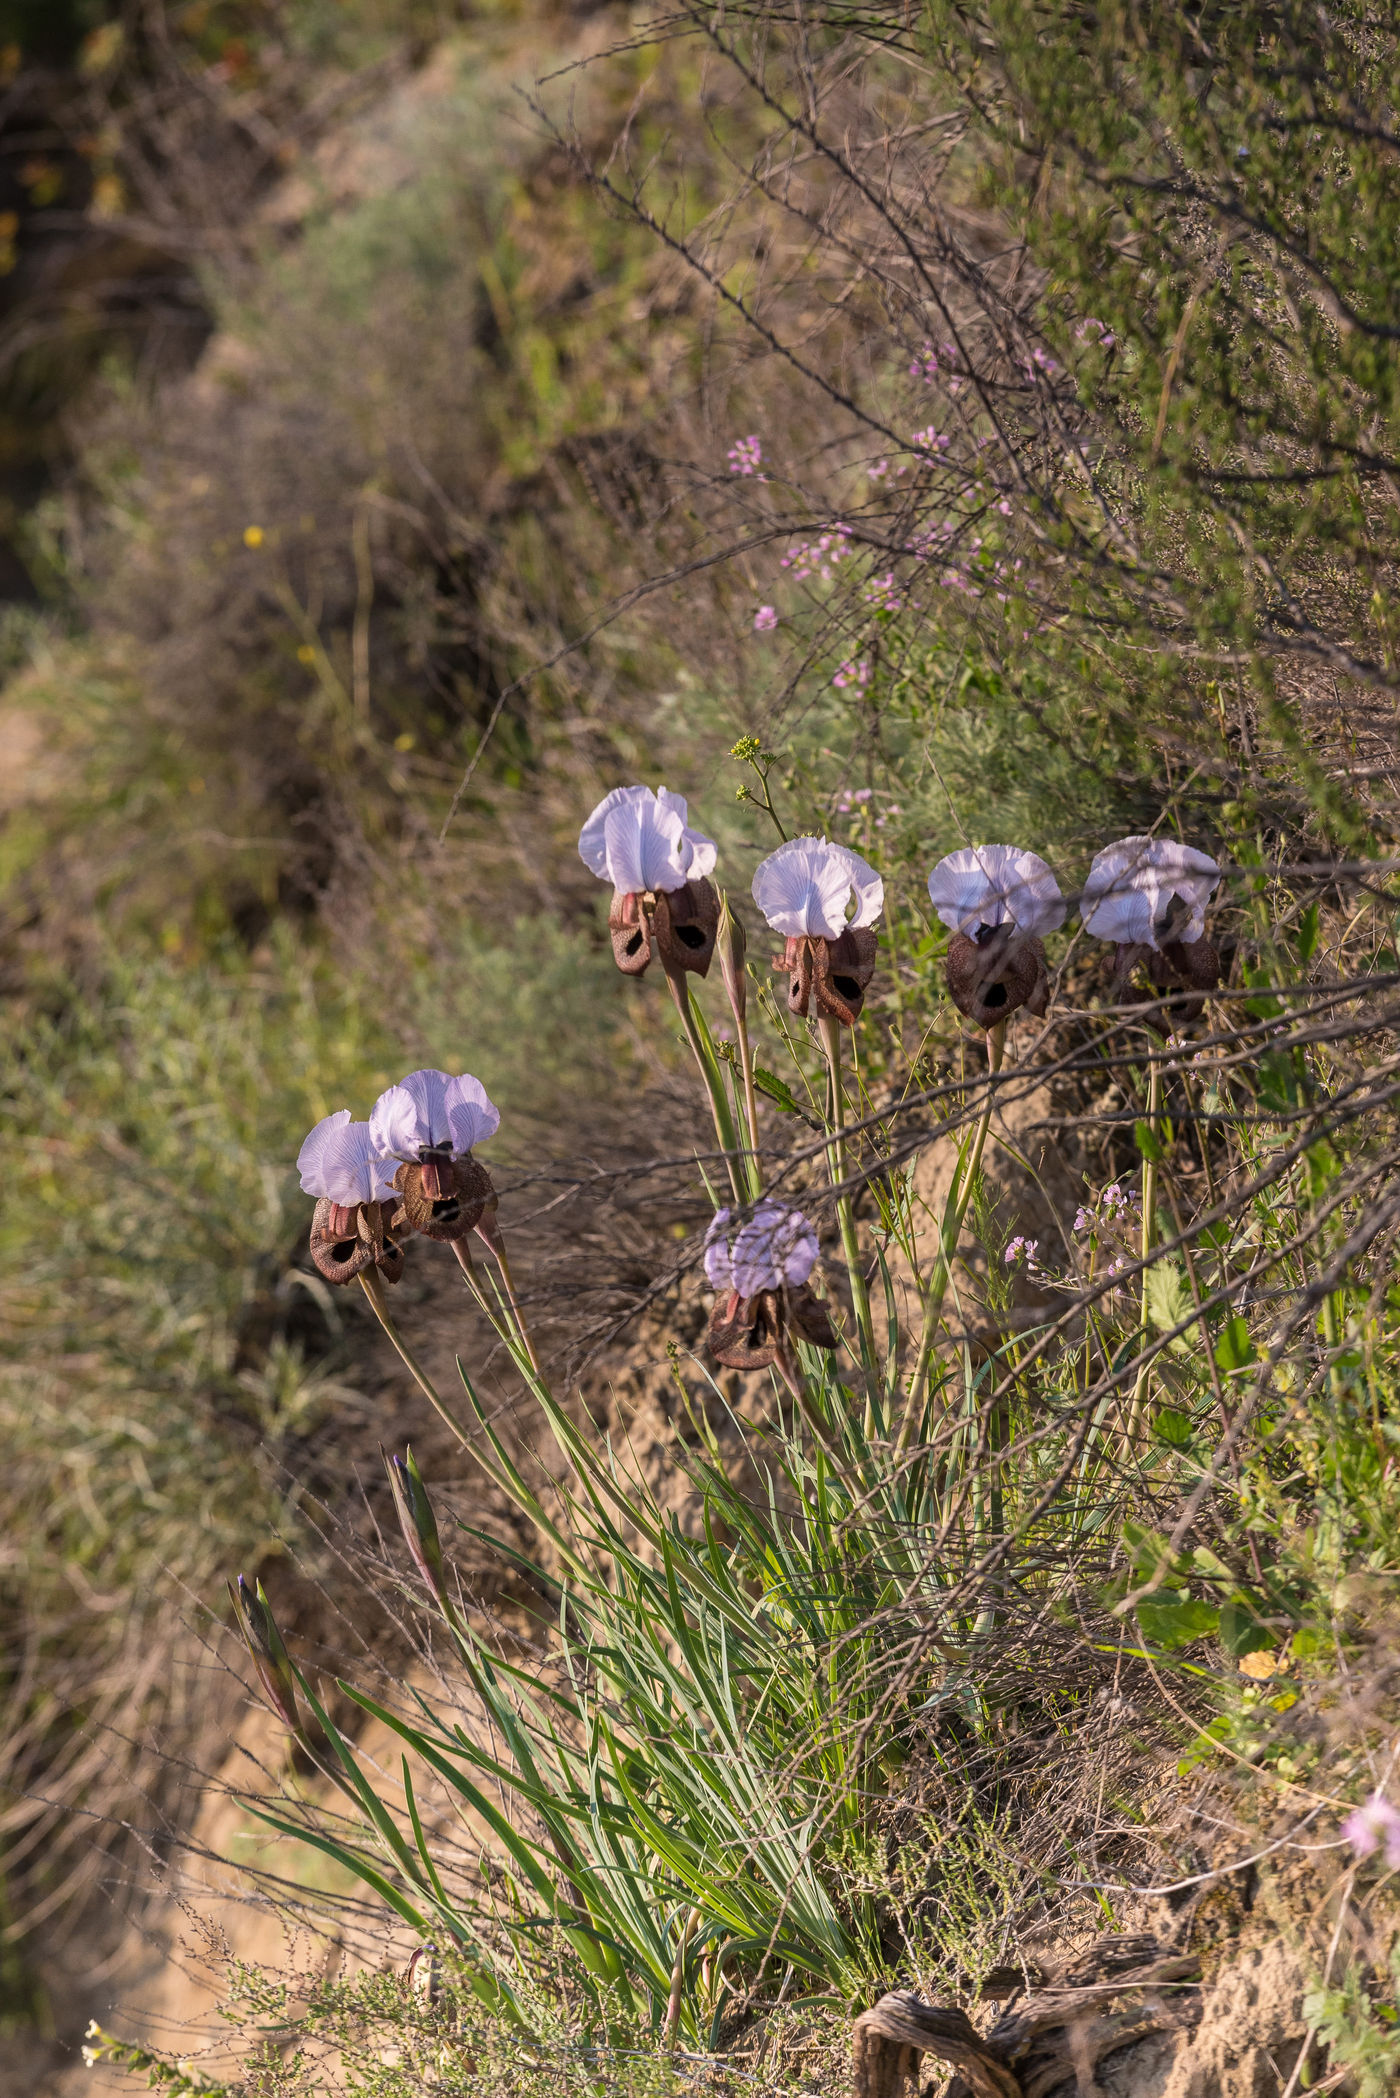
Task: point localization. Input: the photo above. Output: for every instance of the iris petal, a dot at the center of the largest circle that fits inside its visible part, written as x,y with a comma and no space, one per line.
1141,888
806,887
638,840
993,885
338,1162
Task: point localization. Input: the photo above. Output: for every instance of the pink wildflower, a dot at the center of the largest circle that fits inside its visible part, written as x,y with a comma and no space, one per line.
1376,1824
745,455
765,619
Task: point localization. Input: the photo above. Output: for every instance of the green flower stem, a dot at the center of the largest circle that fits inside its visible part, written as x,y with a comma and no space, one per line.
374,1290
750,1100
1149,1206
850,1245
496,1245
953,1215
714,1080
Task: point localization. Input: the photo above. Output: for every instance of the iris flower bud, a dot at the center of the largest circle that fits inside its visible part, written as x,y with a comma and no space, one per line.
732,948
253,1616
417,1521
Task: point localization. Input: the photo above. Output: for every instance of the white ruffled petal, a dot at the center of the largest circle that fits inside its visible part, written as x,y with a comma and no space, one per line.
784,888
993,884
699,853
429,1109
869,890
776,1246
719,1253
1124,916
638,840
1149,890
471,1116
337,1161
806,886
394,1124
592,839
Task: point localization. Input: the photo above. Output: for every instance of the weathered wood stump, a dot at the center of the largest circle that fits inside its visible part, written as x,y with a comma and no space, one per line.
1056,2035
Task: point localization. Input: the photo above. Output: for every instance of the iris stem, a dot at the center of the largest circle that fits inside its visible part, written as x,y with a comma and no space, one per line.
374,1290
495,1245
951,1232
719,1106
741,1025
850,1244
1149,1207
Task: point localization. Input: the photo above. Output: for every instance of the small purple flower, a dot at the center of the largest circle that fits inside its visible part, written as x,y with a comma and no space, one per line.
930,440
1083,1219
765,619
745,455
1021,1249
1376,1824
776,1249
857,674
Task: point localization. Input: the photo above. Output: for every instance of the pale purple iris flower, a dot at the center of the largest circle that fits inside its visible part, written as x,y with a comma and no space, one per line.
992,885
641,841
1151,892
339,1163
806,887
431,1111
1373,1827
777,1247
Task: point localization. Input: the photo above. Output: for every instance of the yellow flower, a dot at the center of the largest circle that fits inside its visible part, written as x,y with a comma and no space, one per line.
253,535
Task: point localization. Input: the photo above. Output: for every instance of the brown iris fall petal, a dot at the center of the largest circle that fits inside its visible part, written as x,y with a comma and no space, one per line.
444,1197
1191,967
833,973
345,1242
750,1333
997,974
678,925
1187,965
